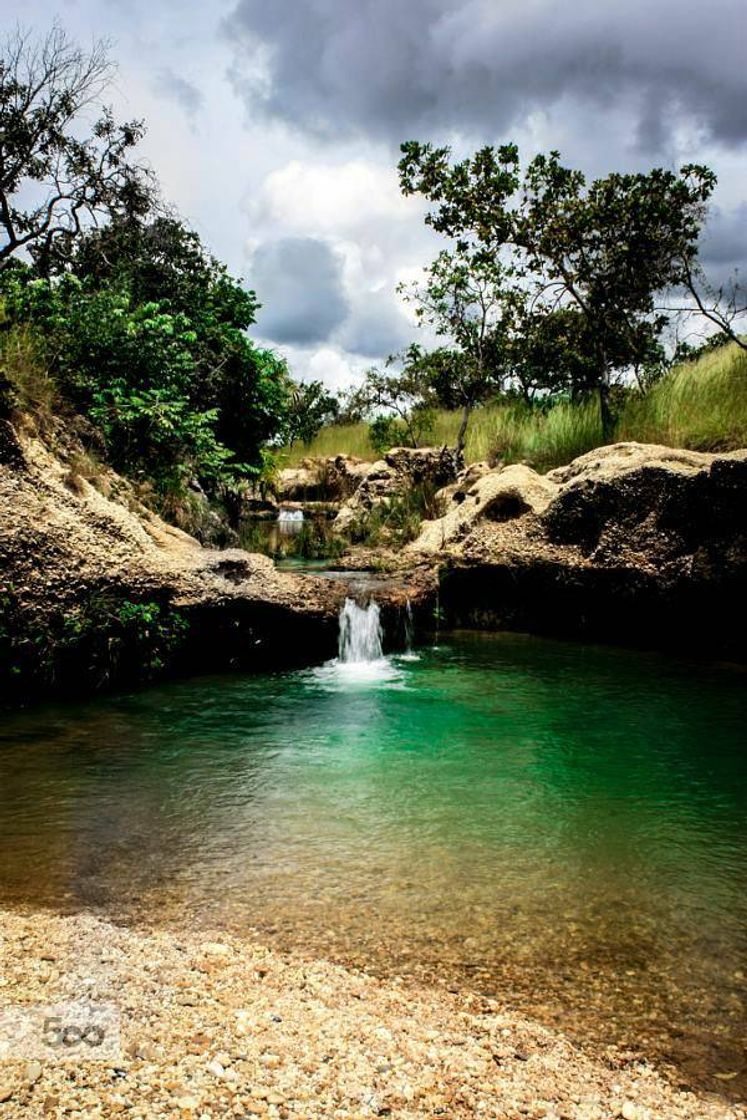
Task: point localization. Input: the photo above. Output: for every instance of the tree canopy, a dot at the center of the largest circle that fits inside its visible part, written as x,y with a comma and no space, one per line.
59,167
604,249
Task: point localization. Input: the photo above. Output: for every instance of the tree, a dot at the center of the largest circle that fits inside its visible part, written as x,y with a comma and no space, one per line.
467,297
551,353
398,399
164,262
725,307
52,181
311,406
604,249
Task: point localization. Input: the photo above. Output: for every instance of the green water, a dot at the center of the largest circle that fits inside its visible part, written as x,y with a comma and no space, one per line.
559,826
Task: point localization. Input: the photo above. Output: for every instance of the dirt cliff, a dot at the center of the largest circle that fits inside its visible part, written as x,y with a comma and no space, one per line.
95,589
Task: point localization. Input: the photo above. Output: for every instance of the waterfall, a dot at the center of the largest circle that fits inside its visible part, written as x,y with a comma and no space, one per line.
290,521
360,633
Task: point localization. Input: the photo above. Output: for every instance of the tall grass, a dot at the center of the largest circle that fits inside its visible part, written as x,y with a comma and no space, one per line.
700,405
29,389
338,439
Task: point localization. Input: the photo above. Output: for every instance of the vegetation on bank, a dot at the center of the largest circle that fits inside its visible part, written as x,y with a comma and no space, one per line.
119,328
104,637
700,404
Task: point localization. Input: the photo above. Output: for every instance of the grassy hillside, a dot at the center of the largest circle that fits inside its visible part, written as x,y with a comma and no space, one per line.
700,405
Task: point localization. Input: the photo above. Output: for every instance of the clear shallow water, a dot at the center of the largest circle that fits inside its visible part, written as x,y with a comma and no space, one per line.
560,826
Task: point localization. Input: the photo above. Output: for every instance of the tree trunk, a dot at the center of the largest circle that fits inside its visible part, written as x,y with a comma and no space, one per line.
605,411
462,433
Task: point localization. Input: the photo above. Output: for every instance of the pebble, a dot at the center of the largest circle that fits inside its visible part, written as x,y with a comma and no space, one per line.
33,1072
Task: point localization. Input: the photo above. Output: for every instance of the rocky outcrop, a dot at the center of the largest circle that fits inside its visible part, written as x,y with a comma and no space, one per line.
631,542
400,470
331,479
96,589
495,496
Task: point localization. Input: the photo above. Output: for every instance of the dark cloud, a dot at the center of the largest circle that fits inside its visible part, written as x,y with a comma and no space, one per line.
376,328
180,90
401,68
299,283
723,246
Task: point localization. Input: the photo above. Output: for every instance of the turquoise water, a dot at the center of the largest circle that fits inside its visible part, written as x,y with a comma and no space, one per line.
559,826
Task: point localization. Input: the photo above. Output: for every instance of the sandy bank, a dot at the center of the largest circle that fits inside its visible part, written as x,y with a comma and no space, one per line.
222,1028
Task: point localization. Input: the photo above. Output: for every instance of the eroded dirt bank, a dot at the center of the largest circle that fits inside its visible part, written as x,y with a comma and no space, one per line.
213,1026
96,590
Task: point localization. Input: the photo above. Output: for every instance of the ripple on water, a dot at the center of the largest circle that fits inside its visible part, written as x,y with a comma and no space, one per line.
560,826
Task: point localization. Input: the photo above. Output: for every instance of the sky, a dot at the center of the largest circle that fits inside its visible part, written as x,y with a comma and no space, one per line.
274,127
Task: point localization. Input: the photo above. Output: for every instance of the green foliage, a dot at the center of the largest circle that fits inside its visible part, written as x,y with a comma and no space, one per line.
468,297
397,400
310,407
396,521
58,170
385,432
100,639
603,249
174,385
350,439
314,541
701,404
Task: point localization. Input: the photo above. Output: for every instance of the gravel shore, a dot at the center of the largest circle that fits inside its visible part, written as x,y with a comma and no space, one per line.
213,1026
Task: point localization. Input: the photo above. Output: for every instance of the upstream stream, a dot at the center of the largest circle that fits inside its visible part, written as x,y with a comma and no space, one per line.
561,827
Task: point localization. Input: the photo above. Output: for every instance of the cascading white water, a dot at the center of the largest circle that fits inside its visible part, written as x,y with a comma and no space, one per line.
290,521
360,633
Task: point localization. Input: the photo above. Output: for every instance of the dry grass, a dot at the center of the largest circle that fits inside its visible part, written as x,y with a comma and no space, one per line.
700,405
22,366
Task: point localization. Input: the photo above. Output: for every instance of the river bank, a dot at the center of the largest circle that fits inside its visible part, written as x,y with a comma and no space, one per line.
215,1026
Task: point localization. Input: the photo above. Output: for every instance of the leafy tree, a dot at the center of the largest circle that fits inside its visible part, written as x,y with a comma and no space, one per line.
551,353
163,261
136,370
58,170
604,249
398,399
311,406
468,297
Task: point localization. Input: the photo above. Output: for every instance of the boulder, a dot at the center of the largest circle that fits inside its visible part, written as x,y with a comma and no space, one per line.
330,479
632,542
399,470
495,496
89,578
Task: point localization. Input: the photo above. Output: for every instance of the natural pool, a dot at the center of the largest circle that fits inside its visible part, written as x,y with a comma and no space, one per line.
563,827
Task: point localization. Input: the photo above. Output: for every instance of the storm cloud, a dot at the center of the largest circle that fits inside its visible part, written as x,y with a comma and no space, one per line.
273,128
300,284
394,70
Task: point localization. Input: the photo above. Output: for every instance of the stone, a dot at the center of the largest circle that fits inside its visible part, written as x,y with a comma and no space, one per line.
33,1072
497,496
